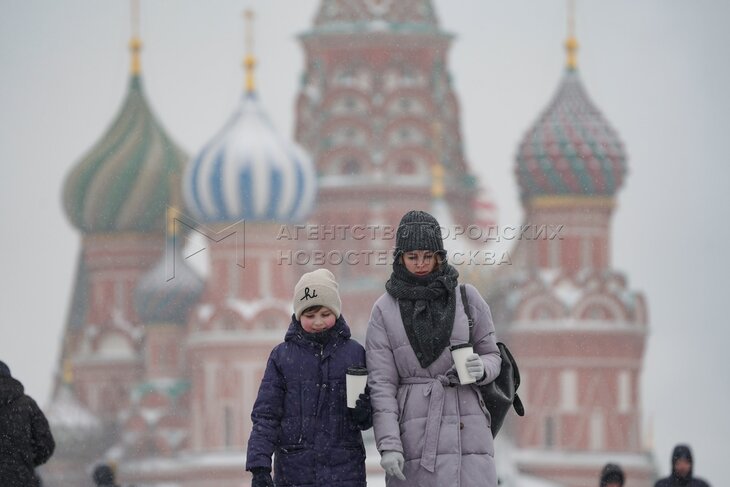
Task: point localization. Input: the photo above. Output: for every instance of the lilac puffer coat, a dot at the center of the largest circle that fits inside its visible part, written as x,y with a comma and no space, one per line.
440,427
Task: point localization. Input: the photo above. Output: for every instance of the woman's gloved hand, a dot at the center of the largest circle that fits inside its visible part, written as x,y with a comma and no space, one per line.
362,414
261,477
393,462
475,366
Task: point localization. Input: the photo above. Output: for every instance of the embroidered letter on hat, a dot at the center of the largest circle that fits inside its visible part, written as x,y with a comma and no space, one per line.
307,296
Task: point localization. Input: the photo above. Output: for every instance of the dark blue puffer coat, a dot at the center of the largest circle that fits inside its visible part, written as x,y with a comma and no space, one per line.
301,414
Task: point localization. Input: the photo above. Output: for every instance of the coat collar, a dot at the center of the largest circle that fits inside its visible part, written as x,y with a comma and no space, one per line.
339,333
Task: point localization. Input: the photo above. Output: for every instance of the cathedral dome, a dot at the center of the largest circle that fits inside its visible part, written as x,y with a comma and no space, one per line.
248,171
571,149
125,182
169,290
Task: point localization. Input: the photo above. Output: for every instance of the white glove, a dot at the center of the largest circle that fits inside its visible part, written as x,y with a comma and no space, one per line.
392,462
475,366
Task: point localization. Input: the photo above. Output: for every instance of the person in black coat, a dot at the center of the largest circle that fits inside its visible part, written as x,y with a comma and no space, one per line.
681,470
300,415
612,476
25,437
103,476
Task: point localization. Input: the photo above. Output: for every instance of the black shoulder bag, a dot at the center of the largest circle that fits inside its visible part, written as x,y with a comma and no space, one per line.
500,394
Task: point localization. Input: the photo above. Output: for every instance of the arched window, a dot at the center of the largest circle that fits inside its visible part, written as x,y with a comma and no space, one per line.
228,426
597,312
406,167
351,167
408,76
346,77
598,429
227,321
543,312
549,432
115,345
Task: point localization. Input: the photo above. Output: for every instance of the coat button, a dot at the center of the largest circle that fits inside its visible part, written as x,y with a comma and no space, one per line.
461,426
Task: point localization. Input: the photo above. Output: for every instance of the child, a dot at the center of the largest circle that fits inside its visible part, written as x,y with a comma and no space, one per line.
301,413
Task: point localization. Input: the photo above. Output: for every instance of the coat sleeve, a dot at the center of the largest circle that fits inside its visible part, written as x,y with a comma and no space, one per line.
383,380
41,437
485,340
266,416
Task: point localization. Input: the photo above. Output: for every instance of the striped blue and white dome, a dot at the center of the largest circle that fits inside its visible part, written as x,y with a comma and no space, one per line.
248,171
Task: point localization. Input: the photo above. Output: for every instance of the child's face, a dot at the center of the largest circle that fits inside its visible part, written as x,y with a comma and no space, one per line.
318,321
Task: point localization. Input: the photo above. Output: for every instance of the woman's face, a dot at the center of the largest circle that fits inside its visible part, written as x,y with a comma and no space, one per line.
317,321
420,262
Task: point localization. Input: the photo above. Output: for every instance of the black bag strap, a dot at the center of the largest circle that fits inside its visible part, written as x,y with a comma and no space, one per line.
465,302
504,351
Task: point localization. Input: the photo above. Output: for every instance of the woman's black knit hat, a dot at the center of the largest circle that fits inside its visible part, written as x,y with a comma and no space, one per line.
418,230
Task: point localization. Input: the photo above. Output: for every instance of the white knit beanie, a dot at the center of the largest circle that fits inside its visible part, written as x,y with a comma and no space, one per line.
317,288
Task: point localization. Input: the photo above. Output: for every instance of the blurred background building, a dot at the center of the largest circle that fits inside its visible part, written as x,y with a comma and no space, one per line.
160,365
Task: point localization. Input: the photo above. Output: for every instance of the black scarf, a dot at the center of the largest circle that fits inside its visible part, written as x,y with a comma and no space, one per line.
322,337
427,307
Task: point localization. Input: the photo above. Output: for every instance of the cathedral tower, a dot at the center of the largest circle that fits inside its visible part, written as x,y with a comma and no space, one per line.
375,83
576,327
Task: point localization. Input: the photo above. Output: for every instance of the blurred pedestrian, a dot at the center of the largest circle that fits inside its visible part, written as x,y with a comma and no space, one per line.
682,470
612,476
25,437
104,476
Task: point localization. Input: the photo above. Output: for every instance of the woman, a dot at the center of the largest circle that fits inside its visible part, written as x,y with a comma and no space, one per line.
430,430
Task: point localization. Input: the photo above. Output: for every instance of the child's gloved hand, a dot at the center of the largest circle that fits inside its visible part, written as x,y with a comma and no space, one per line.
261,477
475,366
392,462
362,414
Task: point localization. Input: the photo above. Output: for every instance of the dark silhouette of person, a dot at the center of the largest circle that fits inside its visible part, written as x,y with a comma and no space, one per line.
104,476
681,470
612,476
25,437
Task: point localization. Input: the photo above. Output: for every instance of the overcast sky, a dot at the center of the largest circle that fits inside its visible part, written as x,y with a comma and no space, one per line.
657,69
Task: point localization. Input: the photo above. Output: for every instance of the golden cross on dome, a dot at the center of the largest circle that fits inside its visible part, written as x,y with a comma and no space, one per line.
249,61
571,43
135,43
68,373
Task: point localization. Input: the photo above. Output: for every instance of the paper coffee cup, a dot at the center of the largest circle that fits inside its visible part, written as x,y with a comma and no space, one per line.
355,382
459,353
